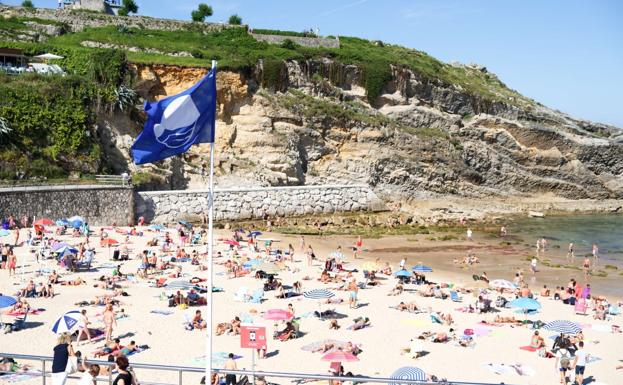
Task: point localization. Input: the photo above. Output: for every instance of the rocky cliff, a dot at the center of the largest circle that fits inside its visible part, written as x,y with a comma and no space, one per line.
420,138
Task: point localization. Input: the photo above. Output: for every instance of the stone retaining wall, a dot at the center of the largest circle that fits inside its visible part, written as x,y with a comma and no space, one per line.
313,42
231,204
99,205
78,20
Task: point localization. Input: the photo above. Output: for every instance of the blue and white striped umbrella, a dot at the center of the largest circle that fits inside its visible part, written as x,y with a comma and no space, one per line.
409,373
422,268
318,294
67,322
563,326
502,284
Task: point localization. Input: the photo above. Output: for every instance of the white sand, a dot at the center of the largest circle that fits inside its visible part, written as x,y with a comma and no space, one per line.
391,330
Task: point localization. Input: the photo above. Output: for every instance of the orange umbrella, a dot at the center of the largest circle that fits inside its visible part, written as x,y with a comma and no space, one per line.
44,222
109,242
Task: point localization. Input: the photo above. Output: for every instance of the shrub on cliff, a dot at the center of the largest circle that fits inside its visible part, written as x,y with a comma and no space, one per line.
27,4
128,7
235,20
201,13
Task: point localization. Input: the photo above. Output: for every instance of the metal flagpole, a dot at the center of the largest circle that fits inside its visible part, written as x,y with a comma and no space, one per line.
210,255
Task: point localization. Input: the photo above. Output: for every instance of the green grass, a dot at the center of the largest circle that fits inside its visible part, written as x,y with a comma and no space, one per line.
236,49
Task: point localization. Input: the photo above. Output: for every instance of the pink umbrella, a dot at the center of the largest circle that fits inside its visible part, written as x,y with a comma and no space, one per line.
232,242
339,356
278,315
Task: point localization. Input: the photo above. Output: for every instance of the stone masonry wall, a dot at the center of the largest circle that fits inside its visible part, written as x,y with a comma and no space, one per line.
231,204
79,20
98,205
313,42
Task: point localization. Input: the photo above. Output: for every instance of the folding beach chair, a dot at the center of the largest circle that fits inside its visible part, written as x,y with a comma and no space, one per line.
454,296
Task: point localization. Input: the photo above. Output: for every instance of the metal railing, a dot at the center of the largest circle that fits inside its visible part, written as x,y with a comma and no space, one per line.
180,370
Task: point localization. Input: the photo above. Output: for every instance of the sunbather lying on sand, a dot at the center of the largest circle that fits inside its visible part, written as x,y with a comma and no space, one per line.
360,323
397,290
409,306
506,320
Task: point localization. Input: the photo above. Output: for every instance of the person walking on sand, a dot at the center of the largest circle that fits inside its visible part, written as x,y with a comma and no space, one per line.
109,320
579,363
533,265
302,243
469,234
570,253
595,251
83,327
403,262
310,255
586,266
358,246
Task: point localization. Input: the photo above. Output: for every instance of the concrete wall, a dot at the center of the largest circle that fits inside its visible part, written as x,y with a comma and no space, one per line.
99,205
229,204
304,41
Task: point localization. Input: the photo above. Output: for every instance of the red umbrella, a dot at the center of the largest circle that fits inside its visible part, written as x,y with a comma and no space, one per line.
45,222
109,242
232,242
339,356
277,315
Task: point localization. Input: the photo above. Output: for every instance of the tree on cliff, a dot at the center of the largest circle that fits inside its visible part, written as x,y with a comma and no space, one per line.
127,7
27,4
200,14
235,20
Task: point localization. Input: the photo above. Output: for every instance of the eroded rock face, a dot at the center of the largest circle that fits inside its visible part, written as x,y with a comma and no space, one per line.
444,140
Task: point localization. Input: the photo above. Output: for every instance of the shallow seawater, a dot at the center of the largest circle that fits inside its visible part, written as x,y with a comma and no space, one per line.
605,230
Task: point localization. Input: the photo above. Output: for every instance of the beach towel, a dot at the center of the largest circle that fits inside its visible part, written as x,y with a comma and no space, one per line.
21,313
19,377
96,335
161,312
528,348
138,350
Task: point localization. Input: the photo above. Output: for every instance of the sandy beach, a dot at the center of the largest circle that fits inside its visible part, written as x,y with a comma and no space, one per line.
382,343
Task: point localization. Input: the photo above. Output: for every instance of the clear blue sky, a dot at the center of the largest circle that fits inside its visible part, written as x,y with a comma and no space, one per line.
567,54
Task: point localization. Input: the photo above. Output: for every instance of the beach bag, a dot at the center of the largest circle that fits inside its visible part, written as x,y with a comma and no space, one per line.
565,361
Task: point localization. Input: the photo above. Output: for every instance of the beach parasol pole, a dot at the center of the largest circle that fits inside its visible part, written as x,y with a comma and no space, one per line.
208,373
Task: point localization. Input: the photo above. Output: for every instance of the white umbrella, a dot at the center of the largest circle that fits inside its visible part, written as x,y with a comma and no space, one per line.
49,56
502,284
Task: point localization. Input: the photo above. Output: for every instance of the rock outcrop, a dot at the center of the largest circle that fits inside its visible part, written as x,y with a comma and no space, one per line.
421,138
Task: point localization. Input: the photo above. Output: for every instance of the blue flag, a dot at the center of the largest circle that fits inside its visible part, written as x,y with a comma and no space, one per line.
177,122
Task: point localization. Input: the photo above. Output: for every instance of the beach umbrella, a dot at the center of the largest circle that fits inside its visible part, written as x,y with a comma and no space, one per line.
58,247
186,224
318,294
419,268
277,315
49,56
563,326
157,227
408,373
231,242
76,221
109,242
67,251
339,356
62,222
502,284
44,222
67,322
402,273
6,301
4,233
314,346
525,304
254,234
